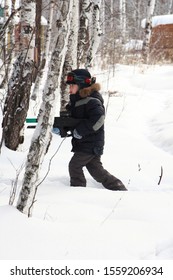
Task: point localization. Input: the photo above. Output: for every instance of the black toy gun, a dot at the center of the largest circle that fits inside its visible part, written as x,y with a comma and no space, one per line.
65,123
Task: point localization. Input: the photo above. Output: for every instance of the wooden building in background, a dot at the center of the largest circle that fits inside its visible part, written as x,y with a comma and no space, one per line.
161,41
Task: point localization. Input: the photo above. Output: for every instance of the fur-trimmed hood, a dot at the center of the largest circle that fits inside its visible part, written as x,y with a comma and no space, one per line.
85,92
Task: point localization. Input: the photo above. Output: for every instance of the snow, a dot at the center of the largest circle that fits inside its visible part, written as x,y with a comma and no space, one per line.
95,223
133,45
158,20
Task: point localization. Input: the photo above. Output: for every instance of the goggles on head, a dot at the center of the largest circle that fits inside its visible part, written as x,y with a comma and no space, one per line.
74,79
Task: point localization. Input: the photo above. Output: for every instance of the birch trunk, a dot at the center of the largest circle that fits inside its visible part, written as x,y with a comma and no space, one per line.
19,86
123,20
37,49
42,136
170,7
148,29
46,57
6,50
103,15
71,55
95,35
83,41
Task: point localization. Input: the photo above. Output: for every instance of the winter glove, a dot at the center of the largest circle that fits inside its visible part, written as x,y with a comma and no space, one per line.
56,130
76,134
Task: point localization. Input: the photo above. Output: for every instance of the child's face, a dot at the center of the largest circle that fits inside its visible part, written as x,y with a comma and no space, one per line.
73,88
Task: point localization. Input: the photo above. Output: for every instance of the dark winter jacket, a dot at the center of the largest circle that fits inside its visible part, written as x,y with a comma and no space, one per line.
87,104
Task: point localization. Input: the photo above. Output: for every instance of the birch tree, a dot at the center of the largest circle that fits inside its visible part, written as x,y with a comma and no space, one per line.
71,55
42,136
96,33
37,49
123,20
148,28
170,3
103,15
19,86
6,50
85,11
46,56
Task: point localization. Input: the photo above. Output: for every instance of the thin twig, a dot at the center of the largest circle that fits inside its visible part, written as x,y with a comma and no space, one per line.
115,206
2,190
109,94
36,188
50,161
122,109
7,22
15,183
161,175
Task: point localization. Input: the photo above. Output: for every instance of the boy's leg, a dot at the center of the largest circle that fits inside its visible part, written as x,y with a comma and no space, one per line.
101,175
76,164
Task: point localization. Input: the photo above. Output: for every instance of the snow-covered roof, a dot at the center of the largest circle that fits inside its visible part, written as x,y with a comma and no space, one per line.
158,20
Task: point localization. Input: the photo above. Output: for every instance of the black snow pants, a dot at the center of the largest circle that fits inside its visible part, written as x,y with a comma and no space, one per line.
96,170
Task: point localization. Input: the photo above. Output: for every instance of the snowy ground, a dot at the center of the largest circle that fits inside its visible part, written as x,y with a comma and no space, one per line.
95,223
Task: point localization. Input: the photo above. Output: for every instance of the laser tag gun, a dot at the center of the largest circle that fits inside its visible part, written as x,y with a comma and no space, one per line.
65,123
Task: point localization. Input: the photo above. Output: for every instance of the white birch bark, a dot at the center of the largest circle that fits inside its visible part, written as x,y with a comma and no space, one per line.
7,42
83,41
137,16
102,16
43,71
123,19
96,34
170,6
73,40
148,28
42,136
7,12
71,55
112,14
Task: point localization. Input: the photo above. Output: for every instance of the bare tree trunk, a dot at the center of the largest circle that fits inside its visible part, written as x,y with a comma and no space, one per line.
83,41
71,55
37,49
123,20
17,100
41,78
6,42
95,33
148,29
170,7
103,15
42,136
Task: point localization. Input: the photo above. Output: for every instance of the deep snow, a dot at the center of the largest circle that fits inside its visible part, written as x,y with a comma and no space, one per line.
95,223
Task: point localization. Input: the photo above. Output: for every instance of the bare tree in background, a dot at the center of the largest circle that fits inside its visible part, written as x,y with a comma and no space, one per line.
19,86
170,7
71,55
37,49
123,20
7,42
85,11
95,33
148,28
46,57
